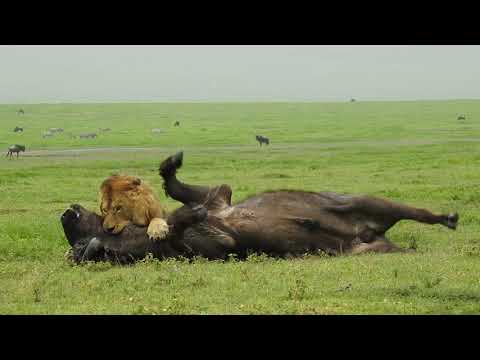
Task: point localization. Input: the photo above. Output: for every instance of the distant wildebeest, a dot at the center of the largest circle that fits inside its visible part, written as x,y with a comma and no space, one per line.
105,129
87,136
55,130
20,111
18,129
461,117
15,149
262,140
352,100
177,123
47,134
156,131
284,223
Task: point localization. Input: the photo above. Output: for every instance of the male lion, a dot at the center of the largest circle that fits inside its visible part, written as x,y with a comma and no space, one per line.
126,199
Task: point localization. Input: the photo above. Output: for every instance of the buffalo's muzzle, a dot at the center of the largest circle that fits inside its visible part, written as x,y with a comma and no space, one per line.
70,215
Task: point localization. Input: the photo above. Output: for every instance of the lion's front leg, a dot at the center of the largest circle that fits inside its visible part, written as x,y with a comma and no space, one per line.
157,229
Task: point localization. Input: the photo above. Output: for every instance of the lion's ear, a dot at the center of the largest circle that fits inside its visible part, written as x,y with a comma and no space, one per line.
136,181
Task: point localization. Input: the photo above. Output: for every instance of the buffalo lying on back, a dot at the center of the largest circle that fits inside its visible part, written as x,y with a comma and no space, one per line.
278,223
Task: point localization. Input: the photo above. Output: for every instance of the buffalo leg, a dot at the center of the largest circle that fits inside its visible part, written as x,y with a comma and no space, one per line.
385,213
187,194
377,246
191,195
92,249
184,217
396,211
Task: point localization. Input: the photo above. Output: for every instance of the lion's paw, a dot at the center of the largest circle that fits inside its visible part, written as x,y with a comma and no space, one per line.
157,229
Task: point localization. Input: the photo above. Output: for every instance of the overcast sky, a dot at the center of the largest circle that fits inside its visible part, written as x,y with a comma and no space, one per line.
36,74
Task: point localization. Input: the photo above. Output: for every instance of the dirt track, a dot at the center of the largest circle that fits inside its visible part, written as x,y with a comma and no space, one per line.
223,148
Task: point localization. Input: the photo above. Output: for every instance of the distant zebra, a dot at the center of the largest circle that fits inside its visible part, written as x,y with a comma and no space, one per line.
262,140
87,136
461,117
47,134
15,148
177,123
18,129
20,112
55,130
156,131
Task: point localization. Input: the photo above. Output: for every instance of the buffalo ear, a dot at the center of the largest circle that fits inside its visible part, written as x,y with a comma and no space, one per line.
136,181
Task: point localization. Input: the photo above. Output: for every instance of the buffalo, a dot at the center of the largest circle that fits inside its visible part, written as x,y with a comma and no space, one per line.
282,223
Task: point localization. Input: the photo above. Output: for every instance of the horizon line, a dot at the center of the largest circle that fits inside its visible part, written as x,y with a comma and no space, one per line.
87,102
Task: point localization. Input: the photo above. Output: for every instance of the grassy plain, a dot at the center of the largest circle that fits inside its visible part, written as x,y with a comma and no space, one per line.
414,152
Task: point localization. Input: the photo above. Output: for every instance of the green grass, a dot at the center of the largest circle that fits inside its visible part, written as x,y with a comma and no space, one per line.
414,152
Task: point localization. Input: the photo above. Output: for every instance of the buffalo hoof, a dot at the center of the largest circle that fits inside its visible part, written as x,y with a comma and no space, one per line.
170,165
177,159
452,221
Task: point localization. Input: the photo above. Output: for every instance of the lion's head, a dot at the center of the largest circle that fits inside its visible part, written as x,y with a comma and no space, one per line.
126,199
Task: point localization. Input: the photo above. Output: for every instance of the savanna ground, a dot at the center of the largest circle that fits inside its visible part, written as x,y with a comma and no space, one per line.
414,152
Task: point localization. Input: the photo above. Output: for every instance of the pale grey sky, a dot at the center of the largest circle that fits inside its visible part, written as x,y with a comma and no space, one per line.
98,73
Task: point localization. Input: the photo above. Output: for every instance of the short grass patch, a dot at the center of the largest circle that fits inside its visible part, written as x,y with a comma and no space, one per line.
414,152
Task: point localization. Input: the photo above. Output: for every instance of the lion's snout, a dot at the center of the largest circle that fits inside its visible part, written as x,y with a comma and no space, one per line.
109,229
113,228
